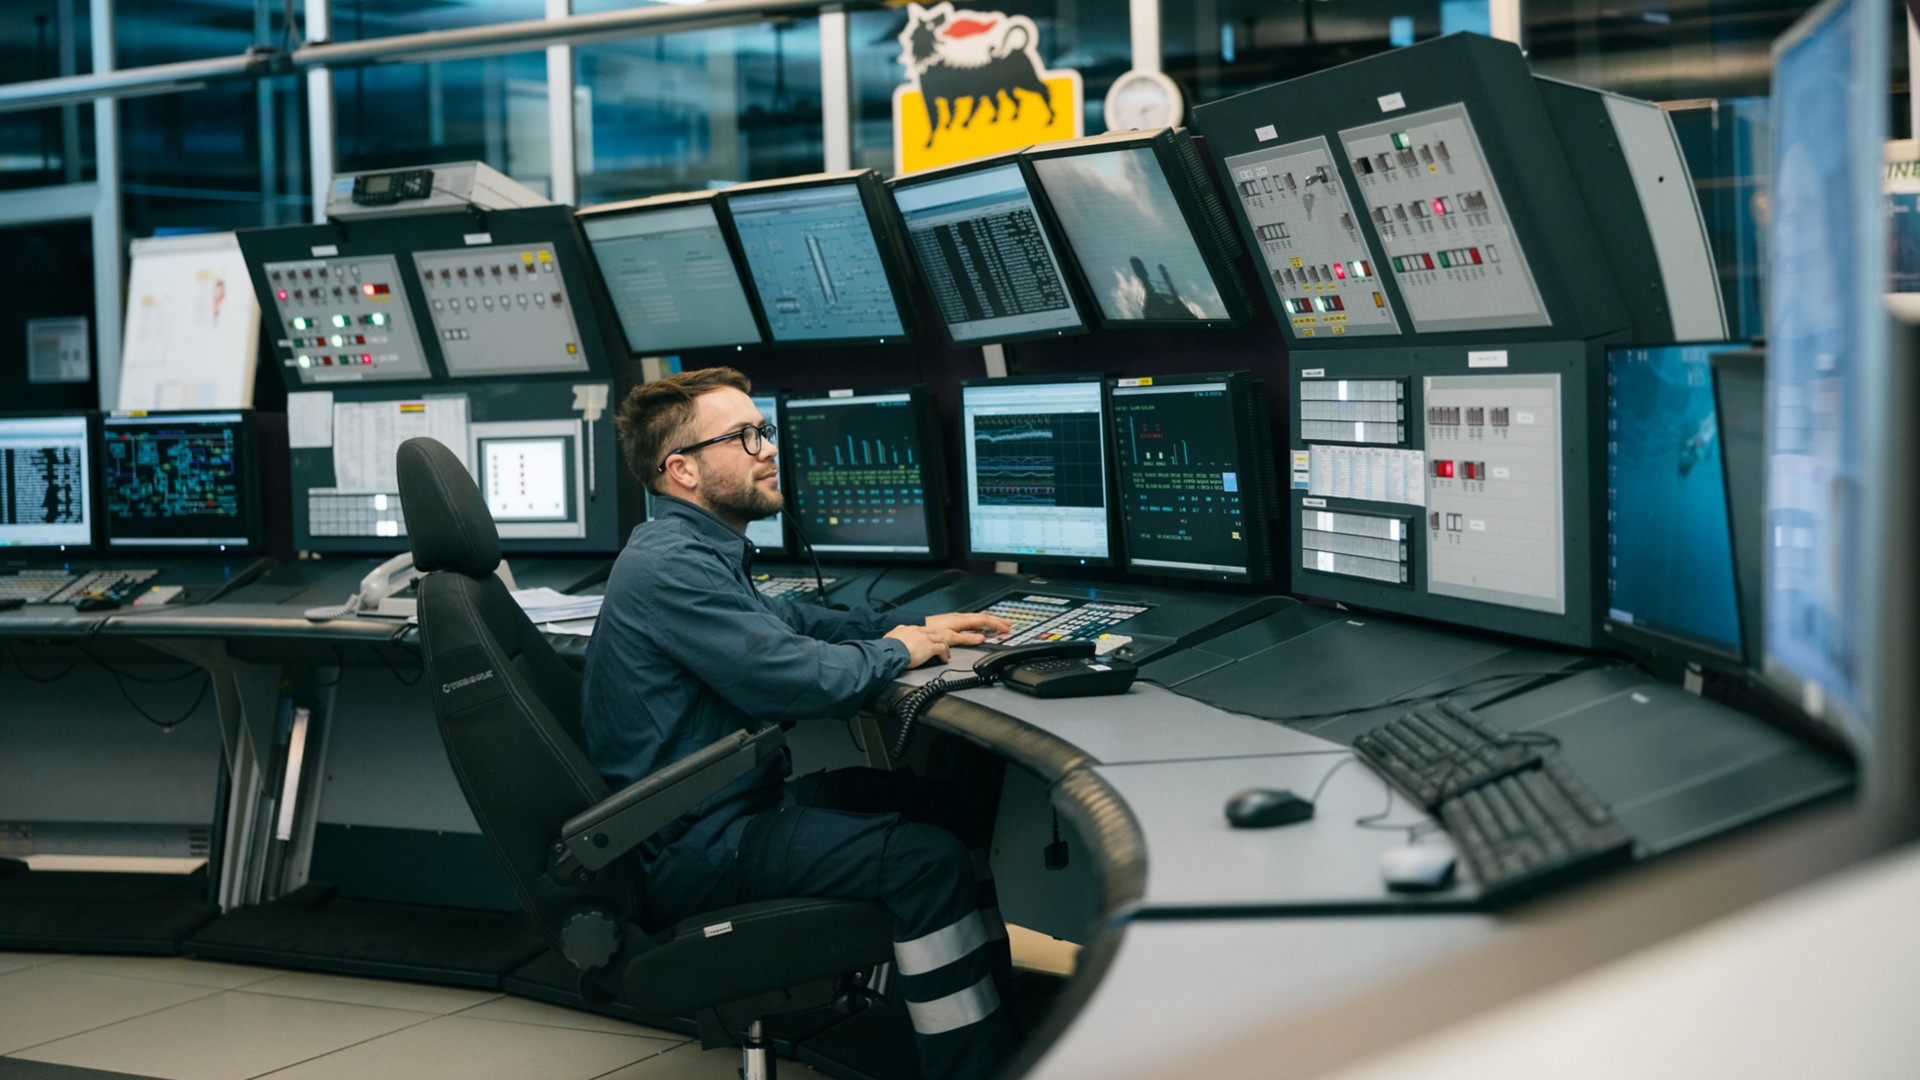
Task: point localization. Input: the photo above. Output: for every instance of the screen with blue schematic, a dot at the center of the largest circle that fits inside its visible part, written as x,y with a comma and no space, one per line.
814,261
1036,470
46,482
857,473
1826,343
179,479
1185,489
1669,545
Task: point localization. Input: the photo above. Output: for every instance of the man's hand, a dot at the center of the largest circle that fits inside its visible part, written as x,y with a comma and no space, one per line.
968,628
923,643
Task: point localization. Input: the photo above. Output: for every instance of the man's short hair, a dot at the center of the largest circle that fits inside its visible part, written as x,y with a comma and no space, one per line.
655,417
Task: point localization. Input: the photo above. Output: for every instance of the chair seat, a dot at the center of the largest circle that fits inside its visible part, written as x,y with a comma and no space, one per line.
742,951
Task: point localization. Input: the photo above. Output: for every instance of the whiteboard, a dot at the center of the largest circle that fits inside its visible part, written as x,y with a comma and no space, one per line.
193,325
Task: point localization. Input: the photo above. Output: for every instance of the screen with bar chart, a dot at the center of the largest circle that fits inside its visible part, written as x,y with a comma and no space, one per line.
1191,500
862,473
1036,469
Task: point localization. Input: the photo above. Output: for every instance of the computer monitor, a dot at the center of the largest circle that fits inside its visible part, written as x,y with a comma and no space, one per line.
671,273
1037,469
46,482
1194,483
863,473
181,480
1147,231
822,255
768,535
1827,355
1671,586
985,254
532,473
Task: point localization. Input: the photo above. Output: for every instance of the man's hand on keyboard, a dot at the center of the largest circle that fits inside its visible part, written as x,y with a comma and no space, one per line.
968,628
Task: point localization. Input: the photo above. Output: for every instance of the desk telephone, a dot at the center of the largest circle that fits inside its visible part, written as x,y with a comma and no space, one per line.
1051,669
377,592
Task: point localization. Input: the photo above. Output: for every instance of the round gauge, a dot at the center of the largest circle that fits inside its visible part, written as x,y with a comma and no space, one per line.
1143,100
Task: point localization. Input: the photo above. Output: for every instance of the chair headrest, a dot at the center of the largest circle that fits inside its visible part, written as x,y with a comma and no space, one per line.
448,525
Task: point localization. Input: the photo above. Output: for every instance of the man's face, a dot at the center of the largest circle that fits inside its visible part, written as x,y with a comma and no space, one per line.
733,484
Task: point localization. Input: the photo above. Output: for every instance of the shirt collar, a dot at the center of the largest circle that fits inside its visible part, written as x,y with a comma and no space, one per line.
704,525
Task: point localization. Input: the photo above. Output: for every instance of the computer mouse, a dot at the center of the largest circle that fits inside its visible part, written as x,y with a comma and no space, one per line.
1263,808
1417,867
95,603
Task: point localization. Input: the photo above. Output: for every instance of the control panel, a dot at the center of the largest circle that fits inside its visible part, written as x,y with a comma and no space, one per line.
1447,236
1040,617
1372,546
345,319
1353,410
1320,265
1494,510
501,310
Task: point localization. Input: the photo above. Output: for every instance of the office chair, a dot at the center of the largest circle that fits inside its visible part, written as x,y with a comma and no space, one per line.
508,709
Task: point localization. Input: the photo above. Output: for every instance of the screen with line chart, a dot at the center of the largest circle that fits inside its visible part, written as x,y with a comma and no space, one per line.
1036,470
861,473
815,263
1188,501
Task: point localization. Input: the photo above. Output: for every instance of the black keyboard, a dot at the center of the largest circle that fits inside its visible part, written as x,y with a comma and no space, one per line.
1440,750
1531,829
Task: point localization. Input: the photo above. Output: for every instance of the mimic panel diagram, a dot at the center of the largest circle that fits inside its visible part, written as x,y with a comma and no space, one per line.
1315,256
1353,410
501,310
346,319
1447,237
1495,516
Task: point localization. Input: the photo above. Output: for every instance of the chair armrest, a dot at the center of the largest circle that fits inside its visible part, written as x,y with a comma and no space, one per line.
609,830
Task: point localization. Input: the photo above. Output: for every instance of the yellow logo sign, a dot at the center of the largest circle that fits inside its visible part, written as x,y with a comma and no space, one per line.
976,86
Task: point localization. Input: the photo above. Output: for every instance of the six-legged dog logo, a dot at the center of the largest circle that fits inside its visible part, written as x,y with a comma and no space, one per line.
976,85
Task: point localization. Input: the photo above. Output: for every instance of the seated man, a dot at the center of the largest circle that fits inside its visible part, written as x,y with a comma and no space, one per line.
687,651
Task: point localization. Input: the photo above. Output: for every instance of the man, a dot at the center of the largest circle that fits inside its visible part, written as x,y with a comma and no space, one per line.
687,651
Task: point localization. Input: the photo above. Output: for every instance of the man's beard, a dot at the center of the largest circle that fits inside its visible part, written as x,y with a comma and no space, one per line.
746,502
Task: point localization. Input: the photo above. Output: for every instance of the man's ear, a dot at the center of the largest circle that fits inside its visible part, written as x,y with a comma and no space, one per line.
682,473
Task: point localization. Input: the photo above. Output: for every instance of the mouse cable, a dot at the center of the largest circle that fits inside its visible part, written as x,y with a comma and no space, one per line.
1328,775
164,725
867,597
13,652
819,579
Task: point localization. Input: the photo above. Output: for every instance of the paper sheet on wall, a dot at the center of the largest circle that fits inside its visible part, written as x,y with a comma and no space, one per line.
310,420
192,325
366,434
1375,473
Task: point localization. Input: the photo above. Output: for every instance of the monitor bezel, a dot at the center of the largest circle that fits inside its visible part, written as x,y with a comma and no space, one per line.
1112,557
728,239
251,486
96,496
926,414
1056,243
1638,640
889,236
1259,500
1161,145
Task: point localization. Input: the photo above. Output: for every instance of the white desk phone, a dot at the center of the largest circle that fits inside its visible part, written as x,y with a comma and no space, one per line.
377,596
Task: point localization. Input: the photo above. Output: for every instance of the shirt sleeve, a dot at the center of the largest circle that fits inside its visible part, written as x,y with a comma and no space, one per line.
827,624
755,659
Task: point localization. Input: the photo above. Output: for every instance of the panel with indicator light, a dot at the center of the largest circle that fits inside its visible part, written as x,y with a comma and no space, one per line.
1495,528
1354,410
501,310
1317,262
345,320
1447,236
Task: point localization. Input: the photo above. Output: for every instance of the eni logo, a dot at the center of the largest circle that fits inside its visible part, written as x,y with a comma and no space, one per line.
975,85
448,688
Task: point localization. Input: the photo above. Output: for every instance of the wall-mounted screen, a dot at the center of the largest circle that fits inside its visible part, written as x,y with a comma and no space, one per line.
671,275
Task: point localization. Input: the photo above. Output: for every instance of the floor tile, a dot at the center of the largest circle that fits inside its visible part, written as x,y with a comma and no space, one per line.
522,1011
52,1001
692,1063
458,1048
174,969
380,993
225,1036
15,961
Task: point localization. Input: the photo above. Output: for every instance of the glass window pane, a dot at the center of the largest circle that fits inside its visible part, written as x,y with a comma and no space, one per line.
45,39
1218,48
1088,35
360,20
491,109
679,112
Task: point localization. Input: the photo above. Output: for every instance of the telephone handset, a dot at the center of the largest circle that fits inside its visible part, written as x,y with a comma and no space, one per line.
1049,669
377,592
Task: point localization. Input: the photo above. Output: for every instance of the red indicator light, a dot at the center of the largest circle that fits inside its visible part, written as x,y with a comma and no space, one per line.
366,358
1443,469
372,289
1439,207
1475,252
1340,271
282,294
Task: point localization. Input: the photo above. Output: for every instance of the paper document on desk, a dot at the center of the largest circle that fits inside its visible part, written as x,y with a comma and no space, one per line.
574,627
548,606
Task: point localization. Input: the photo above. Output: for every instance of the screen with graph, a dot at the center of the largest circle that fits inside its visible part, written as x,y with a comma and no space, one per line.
816,264
1188,500
180,480
46,482
1036,470
861,473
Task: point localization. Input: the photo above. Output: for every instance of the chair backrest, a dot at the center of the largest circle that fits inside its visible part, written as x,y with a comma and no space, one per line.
507,705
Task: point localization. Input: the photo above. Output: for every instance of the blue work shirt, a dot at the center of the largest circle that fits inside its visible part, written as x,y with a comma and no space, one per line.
686,651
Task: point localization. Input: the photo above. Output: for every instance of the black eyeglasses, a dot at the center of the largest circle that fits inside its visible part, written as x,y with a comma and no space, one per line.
752,439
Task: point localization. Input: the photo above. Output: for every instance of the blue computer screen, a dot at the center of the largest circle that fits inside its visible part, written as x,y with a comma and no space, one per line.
1669,549
815,263
1826,339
